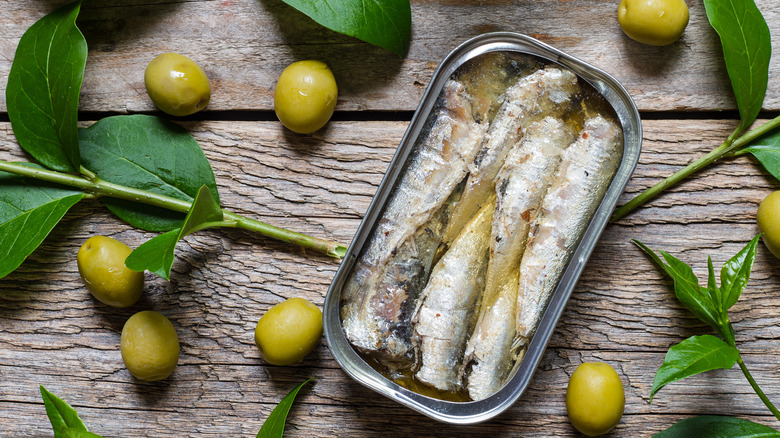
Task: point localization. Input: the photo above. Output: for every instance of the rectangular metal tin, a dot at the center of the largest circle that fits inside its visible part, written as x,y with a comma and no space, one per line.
478,411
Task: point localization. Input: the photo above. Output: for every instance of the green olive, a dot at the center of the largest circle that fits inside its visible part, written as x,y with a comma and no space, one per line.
595,398
101,262
653,22
305,96
177,85
768,218
288,331
150,346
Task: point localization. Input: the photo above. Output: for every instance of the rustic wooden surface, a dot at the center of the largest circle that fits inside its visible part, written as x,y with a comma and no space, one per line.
53,333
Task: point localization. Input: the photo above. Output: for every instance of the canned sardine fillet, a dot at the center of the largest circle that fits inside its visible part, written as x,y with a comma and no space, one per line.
506,177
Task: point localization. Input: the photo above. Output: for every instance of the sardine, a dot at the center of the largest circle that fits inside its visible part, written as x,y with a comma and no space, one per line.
586,170
521,185
548,91
439,165
446,311
484,368
388,333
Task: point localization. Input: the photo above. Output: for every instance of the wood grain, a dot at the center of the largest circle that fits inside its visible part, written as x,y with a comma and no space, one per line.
622,311
243,45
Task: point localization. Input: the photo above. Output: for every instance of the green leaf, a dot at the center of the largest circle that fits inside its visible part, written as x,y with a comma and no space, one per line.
147,153
712,288
385,23
747,48
686,286
29,210
205,212
43,89
156,255
273,427
767,150
768,156
713,426
694,355
735,274
61,415
68,432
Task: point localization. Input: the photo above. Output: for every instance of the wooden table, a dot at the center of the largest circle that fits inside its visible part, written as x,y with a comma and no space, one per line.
53,333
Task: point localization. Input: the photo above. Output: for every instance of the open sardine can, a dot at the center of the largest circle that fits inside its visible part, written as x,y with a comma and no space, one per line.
625,115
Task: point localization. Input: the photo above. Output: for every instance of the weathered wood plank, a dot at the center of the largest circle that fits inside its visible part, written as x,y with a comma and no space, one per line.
622,311
195,401
245,44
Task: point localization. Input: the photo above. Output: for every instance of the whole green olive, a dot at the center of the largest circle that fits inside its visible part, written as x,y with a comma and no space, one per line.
101,262
768,218
653,22
305,96
595,398
177,85
288,331
150,346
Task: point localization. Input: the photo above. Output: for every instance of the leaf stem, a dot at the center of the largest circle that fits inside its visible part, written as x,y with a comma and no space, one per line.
730,147
332,249
756,388
98,188
88,174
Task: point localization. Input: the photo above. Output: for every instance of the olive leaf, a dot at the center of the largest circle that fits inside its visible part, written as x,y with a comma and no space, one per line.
692,356
767,150
154,255
273,427
29,210
385,23
715,426
710,305
703,353
43,89
61,414
735,274
151,154
157,254
686,286
747,49
712,287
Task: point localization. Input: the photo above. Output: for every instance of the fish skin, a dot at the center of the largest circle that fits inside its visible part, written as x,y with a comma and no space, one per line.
485,370
586,171
438,166
521,185
401,281
548,91
447,306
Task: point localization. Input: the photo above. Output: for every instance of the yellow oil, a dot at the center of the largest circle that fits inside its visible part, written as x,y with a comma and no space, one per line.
407,380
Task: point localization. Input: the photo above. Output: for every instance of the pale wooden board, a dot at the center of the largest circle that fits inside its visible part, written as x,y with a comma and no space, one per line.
622,311
245,44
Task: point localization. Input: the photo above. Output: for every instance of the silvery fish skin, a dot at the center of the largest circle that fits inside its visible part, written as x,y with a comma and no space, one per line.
401,281
547,91
371,303
521,185
447,306
485,369
586,170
